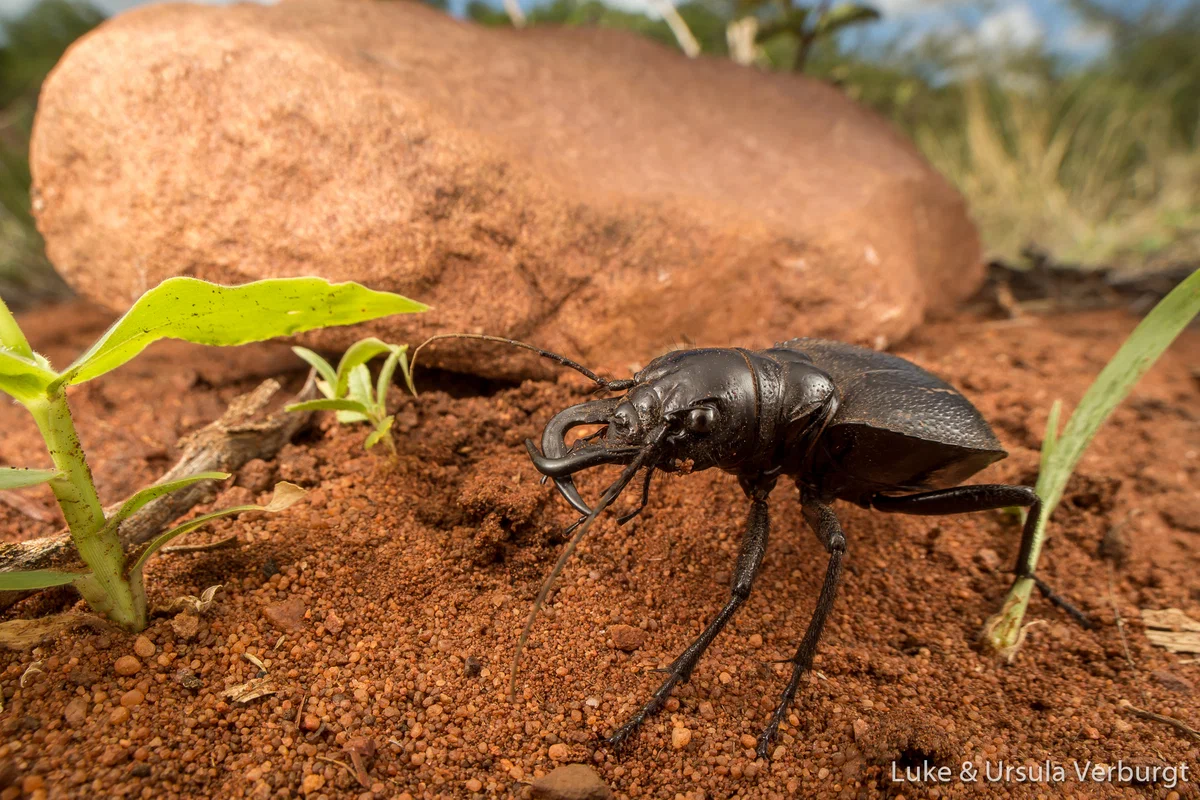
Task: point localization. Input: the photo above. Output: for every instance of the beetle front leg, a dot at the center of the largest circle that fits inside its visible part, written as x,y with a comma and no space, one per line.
821,519
754,547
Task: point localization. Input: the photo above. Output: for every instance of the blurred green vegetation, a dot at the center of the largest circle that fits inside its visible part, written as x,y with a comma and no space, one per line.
1095,164
30,45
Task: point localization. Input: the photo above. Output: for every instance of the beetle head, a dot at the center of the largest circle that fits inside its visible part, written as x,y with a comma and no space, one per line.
689,409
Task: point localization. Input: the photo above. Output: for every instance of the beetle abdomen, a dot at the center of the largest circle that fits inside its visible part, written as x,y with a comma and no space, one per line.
898,425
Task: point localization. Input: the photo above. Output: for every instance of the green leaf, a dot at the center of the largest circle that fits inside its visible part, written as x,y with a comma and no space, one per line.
323,367
329,404
12,338
843,16
24,378
286,495
205,313
36,579
19,478
384,381
359,354
158,490
382,429
362,391
791,22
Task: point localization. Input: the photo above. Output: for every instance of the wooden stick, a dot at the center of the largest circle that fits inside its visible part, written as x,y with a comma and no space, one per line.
241,434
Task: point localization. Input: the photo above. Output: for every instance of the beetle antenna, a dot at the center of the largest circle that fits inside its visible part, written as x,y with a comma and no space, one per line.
603,383
581,528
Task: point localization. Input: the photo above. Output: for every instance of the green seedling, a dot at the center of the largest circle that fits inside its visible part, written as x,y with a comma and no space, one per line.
1061,452
349,391
178,308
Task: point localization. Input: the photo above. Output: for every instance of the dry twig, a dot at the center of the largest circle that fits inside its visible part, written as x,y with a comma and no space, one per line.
243,432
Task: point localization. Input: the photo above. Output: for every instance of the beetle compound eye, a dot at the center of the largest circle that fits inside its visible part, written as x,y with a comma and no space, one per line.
701,420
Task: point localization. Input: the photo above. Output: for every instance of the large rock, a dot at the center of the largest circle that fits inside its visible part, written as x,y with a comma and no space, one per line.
587,190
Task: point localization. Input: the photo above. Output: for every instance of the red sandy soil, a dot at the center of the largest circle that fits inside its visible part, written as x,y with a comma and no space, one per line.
409,583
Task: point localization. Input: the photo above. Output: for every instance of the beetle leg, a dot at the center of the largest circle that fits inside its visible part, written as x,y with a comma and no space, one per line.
754,547
821,519
645,498
986,497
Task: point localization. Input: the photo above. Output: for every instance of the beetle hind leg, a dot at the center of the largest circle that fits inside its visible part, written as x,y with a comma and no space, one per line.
821,519
754,547
986,497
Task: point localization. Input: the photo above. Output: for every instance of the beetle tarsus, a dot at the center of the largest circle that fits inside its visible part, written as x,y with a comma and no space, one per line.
1063,603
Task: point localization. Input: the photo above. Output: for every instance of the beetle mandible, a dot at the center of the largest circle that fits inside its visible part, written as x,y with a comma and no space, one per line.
843,422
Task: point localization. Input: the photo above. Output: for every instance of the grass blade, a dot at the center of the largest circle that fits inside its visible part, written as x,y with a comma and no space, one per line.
158,490
20,478
35,579
1139,352
286,495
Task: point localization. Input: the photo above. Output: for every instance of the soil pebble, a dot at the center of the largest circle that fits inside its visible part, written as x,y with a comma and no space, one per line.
126,666
288,615
186,626
571,782
626,637
143,647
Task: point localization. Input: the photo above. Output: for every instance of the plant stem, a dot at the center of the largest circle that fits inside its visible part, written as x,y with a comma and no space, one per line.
106,588
1003,631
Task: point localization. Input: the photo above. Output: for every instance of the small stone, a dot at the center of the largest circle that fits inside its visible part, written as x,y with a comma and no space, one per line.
755,640
361,745
76,712
185,625
474,785
132,699
143,647
987,558
333,623
188,679
288,615
680,738
119,716
860,729
311,722
571,782
127,665
1173,681
559,752
748,741
725,677
627,637
517,773
256,475
312,783
32,783
113,755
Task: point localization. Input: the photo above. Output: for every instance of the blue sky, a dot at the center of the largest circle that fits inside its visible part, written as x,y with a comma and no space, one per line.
981,26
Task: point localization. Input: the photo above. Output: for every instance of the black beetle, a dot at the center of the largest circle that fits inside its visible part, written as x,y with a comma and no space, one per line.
844,422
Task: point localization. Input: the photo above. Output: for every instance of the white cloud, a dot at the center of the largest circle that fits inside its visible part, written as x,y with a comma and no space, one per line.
1013,28
1085,37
